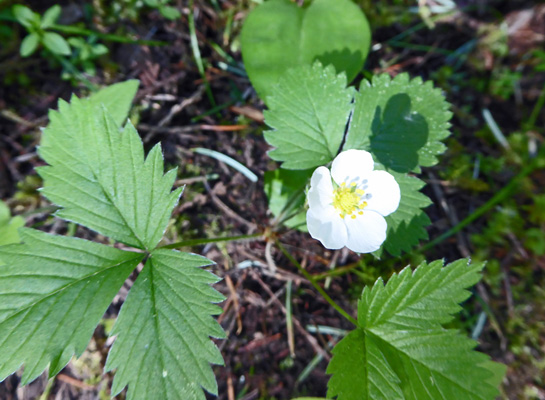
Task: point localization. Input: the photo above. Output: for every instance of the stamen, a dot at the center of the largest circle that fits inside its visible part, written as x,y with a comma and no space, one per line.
349,200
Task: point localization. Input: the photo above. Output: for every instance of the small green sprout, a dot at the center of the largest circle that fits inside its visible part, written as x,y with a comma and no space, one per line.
37,27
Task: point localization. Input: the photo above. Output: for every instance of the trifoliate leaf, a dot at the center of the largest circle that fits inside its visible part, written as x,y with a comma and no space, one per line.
400,121
401,351
162,350
406,226
279,35
116,98
100,177
9,225
309,109
285,190
53,292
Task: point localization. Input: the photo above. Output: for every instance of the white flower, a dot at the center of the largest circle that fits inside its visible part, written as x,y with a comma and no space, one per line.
350,210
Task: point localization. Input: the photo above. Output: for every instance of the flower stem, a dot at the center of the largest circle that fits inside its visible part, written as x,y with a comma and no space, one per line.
195,242
316,286
339,271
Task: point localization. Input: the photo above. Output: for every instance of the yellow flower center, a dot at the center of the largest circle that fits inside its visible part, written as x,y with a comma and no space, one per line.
348,200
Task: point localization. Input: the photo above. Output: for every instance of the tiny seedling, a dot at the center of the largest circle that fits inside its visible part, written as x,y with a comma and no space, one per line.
38,30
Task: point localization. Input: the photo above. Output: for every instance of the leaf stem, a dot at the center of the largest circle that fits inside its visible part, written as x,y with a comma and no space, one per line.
195,242
316,286
72,30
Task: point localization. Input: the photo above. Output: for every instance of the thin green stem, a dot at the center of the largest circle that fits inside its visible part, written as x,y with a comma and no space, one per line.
197,53
217,48
47,389
537,109
435,18
339,271
420,47
501,195
213,110
316,286
72,30
196,242
289,320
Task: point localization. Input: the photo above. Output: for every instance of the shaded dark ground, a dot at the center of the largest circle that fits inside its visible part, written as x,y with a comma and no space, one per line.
257,356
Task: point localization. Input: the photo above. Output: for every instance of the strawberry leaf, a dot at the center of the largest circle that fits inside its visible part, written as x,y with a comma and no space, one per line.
163,348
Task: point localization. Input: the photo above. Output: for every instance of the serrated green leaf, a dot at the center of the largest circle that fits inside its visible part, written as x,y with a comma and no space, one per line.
362,364
279,35
423,299
407,225
285,190
56,43
29,44
400,334
101,178
53,292
116,98
9,225
308,112
400,121
162,350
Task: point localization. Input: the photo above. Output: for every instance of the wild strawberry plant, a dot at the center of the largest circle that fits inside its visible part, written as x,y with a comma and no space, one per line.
54,289
401,122
399,349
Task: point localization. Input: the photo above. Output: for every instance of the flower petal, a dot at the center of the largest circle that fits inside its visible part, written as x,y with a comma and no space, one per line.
320,193
366,232
384,191
327,227
352,166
